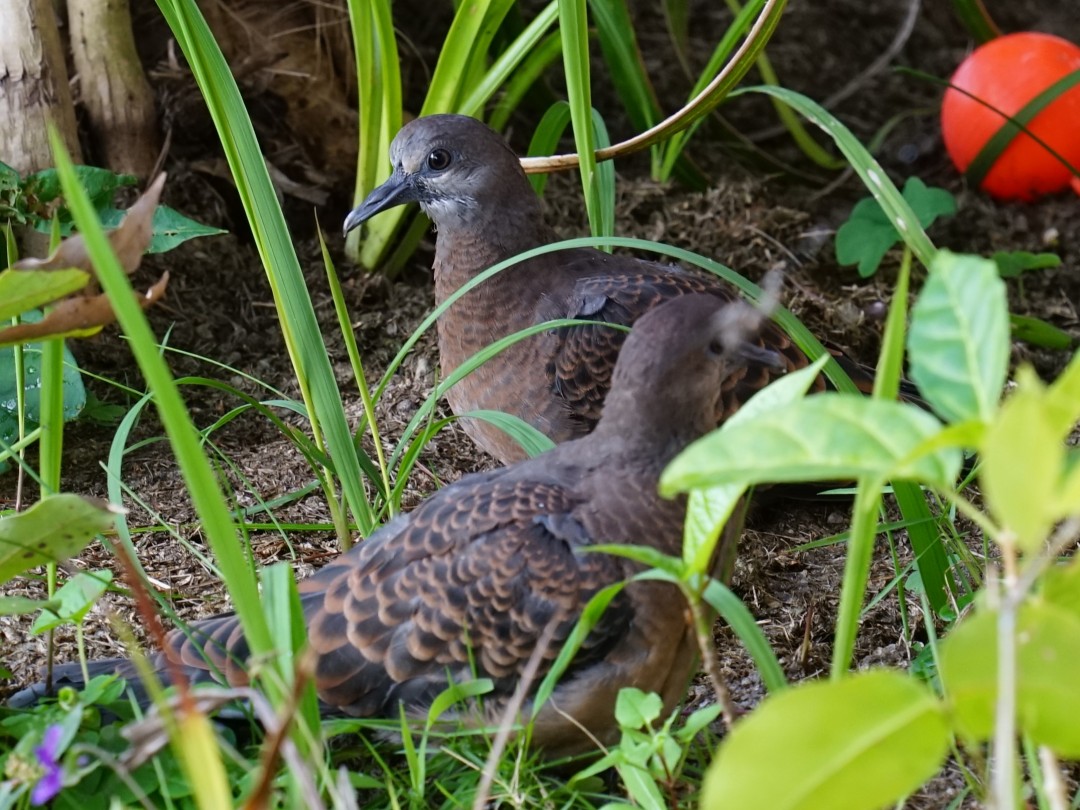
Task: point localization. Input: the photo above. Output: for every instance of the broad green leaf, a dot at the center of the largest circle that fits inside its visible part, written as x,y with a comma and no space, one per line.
74,599
959,337
637,709
864,741
865,237
100,185
1040,333
640,784
74,391
53,529
786,390
21,605
968,670
1022,459
928,202
869,233
22,290
1012,263
1063,399
1048,667
170,228
697,722
1061,587
825,437
708,509
9,178
1068,500
102,690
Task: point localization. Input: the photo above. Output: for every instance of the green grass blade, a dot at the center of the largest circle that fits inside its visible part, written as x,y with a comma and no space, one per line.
677,20
546,138
803,139
721,85
425,411
745,626
473,27
675,146
521,83
891,362
912,502
285,616
382,474
513,61
931,561
618,43
589,617
856,573
307,351
868,169
532,441
379,103
206,495
574,26
976,19
802,336
605,180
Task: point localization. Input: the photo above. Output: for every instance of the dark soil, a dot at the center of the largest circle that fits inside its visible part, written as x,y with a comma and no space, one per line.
754,214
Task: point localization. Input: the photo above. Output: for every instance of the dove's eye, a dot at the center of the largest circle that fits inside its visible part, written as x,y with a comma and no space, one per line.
438,160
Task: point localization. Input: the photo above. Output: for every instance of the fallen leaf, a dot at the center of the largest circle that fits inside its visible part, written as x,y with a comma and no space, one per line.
78,316
130,240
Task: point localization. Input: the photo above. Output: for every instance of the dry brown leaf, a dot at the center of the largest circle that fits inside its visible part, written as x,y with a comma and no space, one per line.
130,240
77,316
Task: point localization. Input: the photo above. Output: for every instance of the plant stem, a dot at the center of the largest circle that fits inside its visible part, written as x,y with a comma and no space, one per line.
702,621
1003,780
1053,785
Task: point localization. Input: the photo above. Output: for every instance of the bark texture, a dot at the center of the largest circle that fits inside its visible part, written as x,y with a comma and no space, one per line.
33,86
113,88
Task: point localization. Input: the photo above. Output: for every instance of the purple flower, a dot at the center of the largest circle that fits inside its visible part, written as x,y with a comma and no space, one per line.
52,780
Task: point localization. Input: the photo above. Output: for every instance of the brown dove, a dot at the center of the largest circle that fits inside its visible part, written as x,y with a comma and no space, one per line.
474,576
470,183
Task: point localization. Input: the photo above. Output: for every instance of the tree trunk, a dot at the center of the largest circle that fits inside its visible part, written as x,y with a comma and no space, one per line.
33,86
113,88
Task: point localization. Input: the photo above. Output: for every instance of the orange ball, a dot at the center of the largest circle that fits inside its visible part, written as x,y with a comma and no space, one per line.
1007,73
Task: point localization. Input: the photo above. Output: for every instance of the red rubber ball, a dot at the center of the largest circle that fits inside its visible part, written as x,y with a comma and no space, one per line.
1007,73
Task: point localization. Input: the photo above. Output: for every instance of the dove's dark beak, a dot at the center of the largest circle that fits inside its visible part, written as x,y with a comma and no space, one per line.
752,353
400,188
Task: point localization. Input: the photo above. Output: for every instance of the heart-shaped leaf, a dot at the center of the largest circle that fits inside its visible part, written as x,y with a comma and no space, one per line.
859,743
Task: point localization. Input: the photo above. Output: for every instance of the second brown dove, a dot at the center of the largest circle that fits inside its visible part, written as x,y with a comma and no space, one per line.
468,583
470,183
